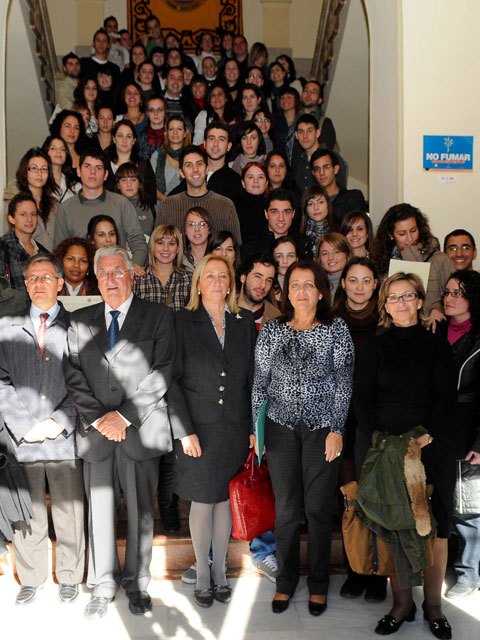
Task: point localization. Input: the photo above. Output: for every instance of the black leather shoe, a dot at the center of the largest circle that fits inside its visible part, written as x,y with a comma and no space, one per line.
68,592
353,587
97,607
440,627
222,593
388,624
203,597
376,588
139,602
279,606
317,608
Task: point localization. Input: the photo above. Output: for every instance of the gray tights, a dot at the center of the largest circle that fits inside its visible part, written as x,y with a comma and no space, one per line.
210,525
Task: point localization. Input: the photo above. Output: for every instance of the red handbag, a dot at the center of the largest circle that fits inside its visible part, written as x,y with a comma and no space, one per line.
251,500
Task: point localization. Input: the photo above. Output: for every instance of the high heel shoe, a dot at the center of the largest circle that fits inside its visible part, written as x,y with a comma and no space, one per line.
440,627
388,624
279,606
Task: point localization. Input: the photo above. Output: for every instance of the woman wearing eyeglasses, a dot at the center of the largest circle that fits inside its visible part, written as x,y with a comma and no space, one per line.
461,302
405,378
197,233
35,175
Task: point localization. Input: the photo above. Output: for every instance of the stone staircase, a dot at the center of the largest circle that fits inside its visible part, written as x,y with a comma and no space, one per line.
173,554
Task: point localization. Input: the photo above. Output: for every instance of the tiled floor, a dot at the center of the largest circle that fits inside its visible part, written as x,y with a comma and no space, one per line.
247,617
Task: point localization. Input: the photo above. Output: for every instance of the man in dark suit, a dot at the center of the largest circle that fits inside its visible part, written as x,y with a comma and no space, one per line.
118,369
40,420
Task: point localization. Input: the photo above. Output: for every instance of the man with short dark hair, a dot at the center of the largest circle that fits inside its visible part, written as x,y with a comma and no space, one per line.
193,168
173,94
307,132
66,85
325,167
240,51
279,213
257,275
93,199
153,36
101,47
459,245
311,101
220,178
40,420
117,54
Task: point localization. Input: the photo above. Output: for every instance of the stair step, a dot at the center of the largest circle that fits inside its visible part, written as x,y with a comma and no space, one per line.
171,555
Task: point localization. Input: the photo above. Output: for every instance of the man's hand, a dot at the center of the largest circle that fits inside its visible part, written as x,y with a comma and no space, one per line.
46,429
473,457
112,426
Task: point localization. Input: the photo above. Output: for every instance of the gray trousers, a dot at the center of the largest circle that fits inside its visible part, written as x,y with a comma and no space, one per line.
31,541
104,483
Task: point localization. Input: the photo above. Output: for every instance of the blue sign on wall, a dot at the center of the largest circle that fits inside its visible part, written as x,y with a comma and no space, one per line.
448,153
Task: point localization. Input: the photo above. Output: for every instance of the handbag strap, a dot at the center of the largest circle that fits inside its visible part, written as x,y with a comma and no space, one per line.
250,461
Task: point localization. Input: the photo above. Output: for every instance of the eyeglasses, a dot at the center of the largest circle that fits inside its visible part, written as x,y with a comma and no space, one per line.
260,120
35,169
197,225
408,296
456,293
115,273
324,167
46,279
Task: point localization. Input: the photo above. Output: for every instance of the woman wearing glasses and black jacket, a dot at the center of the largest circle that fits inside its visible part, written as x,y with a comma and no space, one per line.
405,378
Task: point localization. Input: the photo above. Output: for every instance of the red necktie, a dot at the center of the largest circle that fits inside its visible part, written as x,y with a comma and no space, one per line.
42,330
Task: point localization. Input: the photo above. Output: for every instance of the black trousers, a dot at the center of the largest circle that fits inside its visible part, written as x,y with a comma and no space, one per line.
301,476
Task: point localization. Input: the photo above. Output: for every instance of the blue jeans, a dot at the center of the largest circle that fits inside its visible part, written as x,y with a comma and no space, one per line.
467,564
262,547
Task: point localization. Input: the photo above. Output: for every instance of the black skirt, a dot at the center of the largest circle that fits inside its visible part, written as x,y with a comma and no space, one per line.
205,479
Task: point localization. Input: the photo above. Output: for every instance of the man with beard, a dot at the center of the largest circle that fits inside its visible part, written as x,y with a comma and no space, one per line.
220,178
257,276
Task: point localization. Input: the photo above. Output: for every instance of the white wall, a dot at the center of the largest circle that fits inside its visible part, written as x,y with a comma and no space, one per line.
348,94
26,118
441,70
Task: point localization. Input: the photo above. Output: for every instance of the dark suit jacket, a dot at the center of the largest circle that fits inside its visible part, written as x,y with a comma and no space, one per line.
132,379
33,389
211,384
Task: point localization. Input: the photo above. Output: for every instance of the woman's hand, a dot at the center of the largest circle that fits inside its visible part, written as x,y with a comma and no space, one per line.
435,316
139,270
333,446
422,441
191,446
473,457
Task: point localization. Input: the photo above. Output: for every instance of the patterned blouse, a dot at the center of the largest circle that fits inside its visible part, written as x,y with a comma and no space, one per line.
306,375
175,294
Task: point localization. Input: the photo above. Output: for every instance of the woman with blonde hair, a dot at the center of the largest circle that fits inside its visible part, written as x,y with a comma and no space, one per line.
209,406
165,280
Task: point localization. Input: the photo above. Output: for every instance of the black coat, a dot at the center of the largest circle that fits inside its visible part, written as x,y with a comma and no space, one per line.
210,397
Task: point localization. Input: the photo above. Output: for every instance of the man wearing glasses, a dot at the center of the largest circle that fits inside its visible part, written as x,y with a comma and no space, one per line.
193,164
325,167
118,369
40,420
460,247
